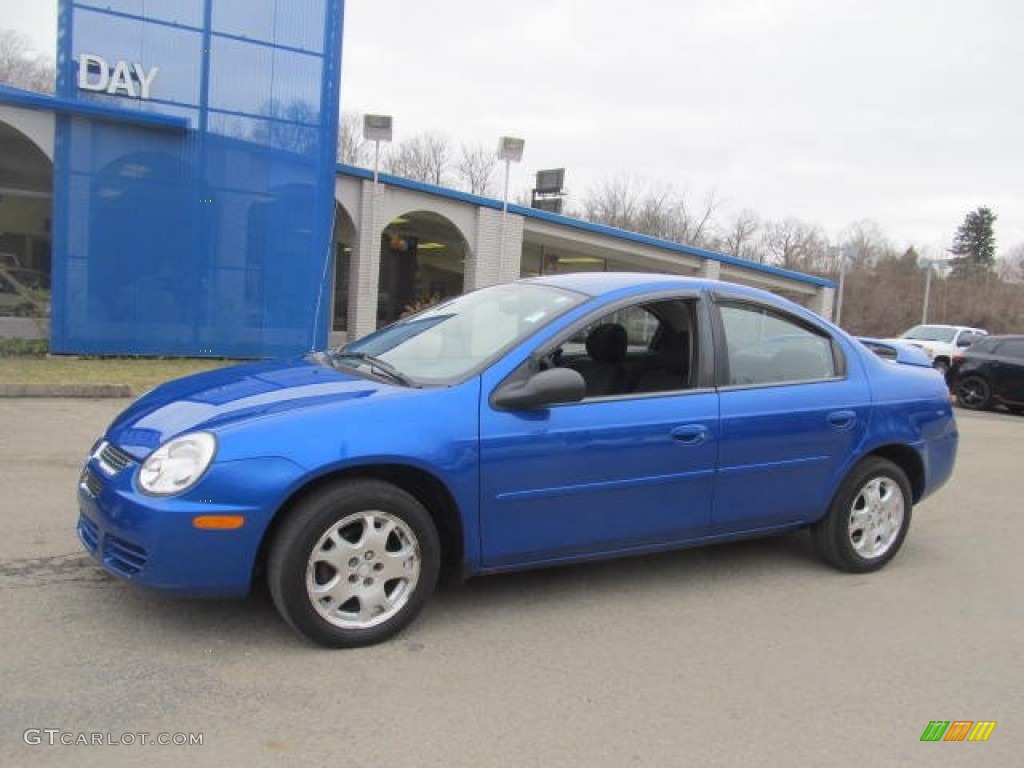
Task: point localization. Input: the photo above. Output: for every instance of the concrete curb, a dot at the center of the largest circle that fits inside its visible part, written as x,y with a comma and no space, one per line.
65,390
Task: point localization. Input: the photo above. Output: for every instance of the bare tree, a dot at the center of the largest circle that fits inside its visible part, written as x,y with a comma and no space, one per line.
793,244
475,168
352,148
865,242
883,295
654,210
21,67
613,202
740,238
1010,266
421,158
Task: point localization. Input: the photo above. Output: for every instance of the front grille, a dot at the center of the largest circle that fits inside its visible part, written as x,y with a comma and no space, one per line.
88,532
114,458
123,556
91,483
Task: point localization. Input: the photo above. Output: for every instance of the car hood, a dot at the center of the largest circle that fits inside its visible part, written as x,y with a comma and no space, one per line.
228,395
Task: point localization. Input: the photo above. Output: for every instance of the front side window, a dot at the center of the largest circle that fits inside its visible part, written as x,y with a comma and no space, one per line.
638,349
769,348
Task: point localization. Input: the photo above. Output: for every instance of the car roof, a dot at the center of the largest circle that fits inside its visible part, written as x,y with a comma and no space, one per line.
944,325
1005,337
601,283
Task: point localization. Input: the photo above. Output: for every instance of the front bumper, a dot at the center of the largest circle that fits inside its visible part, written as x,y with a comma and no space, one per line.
152,541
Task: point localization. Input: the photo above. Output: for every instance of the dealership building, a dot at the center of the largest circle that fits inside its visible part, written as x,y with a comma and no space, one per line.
179,195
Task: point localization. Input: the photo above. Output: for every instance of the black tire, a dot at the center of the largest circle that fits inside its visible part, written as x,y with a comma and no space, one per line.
973,393
941,365
868,518
386,566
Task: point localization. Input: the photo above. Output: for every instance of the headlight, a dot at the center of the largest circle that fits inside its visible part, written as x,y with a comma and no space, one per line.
178,464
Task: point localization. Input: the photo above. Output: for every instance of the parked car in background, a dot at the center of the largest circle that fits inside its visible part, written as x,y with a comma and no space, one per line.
547,421
941,342
990,373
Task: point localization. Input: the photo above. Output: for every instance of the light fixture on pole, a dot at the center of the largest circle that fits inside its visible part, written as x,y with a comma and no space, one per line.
376,128
511,151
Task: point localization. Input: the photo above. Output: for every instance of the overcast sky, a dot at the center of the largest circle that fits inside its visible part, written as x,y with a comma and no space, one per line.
909,113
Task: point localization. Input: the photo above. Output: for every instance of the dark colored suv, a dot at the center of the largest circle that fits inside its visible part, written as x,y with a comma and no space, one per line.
990,373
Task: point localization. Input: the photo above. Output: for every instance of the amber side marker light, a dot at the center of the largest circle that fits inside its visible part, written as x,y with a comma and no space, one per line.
218,522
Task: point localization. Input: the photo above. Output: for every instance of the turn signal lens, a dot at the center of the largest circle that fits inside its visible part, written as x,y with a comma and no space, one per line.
218,522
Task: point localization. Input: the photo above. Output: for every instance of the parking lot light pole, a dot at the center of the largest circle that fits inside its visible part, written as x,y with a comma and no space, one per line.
510,150
928,265
843,253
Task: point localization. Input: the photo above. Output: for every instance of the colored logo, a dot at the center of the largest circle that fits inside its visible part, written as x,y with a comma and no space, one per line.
958,730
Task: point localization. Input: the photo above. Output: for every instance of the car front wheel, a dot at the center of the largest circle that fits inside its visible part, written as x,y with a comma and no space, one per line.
354,563
973,393
868,518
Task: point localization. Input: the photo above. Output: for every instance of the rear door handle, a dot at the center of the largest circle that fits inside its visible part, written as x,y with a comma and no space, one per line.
842,419
690,434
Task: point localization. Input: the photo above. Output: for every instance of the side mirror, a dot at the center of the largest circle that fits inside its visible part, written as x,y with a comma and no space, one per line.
555,385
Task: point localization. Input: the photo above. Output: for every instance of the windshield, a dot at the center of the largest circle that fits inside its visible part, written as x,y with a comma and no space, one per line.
930,333
447,342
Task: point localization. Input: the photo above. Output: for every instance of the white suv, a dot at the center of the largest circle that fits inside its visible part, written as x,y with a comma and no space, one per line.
941,342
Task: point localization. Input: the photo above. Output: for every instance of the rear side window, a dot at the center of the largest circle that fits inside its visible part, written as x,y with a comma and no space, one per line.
985,346
769,348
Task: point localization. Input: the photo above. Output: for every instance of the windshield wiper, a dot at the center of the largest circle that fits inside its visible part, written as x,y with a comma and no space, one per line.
381,367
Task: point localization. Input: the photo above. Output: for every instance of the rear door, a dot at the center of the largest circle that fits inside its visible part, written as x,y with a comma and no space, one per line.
792,412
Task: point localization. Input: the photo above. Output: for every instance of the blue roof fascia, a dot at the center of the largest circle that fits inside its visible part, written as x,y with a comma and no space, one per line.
42,101
586,226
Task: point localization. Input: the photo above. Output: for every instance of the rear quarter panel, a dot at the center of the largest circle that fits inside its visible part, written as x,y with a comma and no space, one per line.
912,407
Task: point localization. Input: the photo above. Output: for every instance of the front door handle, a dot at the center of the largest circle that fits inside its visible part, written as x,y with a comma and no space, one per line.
690,434
842,419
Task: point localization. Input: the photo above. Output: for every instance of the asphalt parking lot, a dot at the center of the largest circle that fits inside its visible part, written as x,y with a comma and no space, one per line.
750,654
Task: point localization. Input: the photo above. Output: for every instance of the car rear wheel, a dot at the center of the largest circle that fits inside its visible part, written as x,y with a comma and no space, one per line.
973,393
868,518
354,563
941,365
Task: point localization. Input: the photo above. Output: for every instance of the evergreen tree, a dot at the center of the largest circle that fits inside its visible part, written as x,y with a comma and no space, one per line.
974,245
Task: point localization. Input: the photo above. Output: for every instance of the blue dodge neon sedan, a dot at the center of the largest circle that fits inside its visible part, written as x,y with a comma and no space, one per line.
550,420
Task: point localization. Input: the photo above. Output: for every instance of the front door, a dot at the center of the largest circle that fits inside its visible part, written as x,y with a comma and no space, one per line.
629,468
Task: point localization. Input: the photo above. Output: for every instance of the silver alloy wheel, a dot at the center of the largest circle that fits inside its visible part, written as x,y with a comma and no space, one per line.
363,570
876,517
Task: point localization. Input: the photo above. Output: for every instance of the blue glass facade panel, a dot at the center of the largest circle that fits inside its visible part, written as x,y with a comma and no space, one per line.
187,12
211,240
250,96
177,54
291,91
296,86
294,24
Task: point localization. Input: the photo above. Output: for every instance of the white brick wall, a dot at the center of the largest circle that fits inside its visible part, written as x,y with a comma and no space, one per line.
824,302
364,274
711,269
